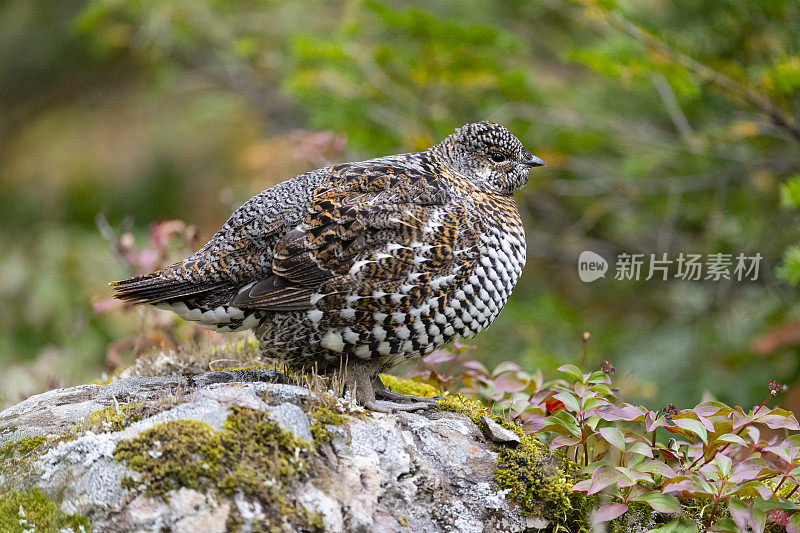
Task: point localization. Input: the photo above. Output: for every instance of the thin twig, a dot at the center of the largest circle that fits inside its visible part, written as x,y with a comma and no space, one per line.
705,72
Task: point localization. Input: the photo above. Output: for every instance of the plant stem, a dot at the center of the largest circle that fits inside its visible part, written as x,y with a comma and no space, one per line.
713,512
774,492
797,485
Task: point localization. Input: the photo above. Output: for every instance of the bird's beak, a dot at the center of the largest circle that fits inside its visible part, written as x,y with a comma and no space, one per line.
534,161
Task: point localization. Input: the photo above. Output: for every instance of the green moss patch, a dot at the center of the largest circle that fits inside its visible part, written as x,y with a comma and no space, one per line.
457,403
180,453
33,511
408,386
22,446
121,415
321,417
537,482
235,368
251,454
116,417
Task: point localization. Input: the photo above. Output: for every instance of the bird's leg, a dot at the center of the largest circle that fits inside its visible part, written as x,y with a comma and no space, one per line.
359,382
384,392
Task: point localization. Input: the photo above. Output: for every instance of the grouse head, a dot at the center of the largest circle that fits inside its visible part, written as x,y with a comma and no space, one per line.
487,155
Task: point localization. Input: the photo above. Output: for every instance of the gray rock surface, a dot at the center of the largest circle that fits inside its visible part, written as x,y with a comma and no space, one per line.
497,433
420,472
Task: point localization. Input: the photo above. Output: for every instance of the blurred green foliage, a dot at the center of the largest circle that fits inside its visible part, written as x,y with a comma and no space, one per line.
667,127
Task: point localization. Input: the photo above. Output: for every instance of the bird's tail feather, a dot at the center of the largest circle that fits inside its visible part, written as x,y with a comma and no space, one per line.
156,288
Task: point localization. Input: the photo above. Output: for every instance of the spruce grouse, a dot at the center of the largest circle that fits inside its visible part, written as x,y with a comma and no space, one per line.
363,265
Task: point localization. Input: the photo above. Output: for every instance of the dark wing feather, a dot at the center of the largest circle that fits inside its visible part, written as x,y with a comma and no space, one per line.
276,294
362,210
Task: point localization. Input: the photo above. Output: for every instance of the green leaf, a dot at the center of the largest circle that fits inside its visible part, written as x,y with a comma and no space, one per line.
597,377
663,503
768,505
561,419
778,419
739,512
614,437
609,512
794,520
711,408
613,413
564,440
505,366
569,400
758,519
604,476
657,467
723,463
679,525
641,449
683,484
592,422
751,489
572,371
603,388
731,438
631,477
726,525
633,460
592,403
693,426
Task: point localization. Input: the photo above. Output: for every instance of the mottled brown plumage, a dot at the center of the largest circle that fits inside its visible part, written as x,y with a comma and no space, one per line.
369,264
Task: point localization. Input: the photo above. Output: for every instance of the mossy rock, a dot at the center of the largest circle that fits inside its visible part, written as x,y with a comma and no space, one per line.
18,456
322,417
537,481
239,466
33,511
251,455
171,455
116,417
22,446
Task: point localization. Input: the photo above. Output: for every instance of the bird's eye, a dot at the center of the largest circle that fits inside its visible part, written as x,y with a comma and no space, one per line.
497,157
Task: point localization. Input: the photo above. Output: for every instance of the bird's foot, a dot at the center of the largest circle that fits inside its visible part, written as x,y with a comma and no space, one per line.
368,388
396,397
384,406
